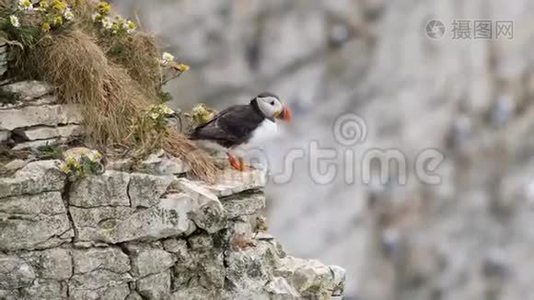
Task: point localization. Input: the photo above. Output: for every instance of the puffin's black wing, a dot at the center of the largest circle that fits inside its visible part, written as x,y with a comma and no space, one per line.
231,127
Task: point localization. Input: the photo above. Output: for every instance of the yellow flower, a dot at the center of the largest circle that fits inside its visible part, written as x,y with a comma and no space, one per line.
65,169
14,20
104,8
25,5
182,68
58,20
43,4
59,5
45,27
71,164
203,114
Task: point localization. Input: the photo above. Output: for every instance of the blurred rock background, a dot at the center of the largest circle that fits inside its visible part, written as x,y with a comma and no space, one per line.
469,237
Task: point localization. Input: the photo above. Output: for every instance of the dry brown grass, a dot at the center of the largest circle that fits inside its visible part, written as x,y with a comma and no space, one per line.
202,164
139,54
78,67
5,4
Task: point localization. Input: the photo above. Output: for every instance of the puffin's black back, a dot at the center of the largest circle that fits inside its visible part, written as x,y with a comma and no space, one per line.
232,126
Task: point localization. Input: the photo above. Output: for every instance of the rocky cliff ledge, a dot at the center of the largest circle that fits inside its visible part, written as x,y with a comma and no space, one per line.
152,233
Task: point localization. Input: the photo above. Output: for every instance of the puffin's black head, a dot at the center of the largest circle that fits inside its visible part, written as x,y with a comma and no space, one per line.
271,107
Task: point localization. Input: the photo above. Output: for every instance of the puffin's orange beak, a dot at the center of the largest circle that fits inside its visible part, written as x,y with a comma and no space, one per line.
286,114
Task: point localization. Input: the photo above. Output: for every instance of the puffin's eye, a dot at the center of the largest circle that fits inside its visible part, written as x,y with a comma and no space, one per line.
272,102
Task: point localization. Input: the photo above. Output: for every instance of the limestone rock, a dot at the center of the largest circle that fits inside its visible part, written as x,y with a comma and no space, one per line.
14,273
110,258
28,90
232,182
243,204
44,132
176,246
201,268
51,264
249,270
47,115
279,286
108,189
4,135
100,274
309,277
339,276
148,261
145,190
120,224
198,293
242,225
37,144
155,287
44,289
35,177
18,103
207,211
9,294
134,296
41,219
15,165
161,163
124,164
116,291
200,242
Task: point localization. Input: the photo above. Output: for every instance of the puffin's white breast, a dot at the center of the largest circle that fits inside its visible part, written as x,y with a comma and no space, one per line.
266,131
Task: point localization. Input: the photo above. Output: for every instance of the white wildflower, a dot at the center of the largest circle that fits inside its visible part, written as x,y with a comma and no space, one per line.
166,110
93,156
25,5
107,23
130,26
166,58
96,17
68,15
14,21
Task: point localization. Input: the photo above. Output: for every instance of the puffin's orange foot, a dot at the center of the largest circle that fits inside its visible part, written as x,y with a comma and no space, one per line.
234,162
237,163
243,167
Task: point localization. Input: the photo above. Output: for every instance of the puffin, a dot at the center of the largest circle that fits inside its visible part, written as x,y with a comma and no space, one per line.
236,125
